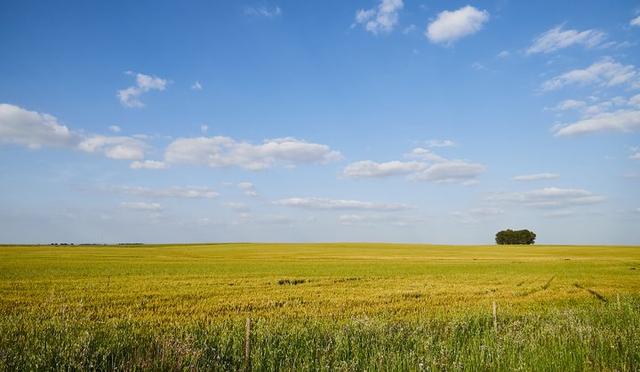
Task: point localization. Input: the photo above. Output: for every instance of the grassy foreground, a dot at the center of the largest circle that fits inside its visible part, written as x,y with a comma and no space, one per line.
320,307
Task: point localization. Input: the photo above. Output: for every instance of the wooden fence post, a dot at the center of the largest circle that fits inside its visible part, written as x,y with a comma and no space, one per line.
495,317
247,345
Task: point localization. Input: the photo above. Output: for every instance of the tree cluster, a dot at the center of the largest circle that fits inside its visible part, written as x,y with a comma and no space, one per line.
515,237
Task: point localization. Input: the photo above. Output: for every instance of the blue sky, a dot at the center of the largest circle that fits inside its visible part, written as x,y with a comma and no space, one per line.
403,121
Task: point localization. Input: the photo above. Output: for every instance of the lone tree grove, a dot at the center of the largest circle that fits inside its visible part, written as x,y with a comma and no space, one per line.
515,237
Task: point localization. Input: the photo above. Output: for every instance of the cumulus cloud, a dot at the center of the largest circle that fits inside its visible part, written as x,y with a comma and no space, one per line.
130,97
595,106
446,171
381,19
536,177
248,188
148,164
121,148
368,168
605,73
36,130
185,192
549,197
450,171
222,151
33,129
429,166
141,206
450,26
440,143
619,121
425,154
557,38
339,204
570,104
635,21
115,128
262,11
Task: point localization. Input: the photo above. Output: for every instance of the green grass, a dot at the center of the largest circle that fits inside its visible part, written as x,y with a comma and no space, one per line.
320,307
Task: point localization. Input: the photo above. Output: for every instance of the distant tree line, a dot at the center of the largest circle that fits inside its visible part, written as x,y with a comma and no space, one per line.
96,244
515,237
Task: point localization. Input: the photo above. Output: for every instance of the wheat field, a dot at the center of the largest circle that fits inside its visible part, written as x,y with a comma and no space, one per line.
356,306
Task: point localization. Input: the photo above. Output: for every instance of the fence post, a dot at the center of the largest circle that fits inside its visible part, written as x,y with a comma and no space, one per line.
247,345
495,317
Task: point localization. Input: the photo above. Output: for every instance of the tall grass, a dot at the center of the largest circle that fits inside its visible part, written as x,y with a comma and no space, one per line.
594,337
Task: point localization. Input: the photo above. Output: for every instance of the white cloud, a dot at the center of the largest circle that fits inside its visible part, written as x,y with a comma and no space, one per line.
130,97
196,86
248,188
115,128
570,104
263,11
121,148
536,177
606,73
550,197
595,106
557,38
36,130
504,54
441,143
33,129
635,21
635,100
596,109
450,171
186,192
368,168
339,204
226,152
148,164
425,154
429,167
619,121
141,206
450,26
381,19
204,128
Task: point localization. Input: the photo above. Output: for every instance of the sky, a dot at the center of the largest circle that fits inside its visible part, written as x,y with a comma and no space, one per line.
309,121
